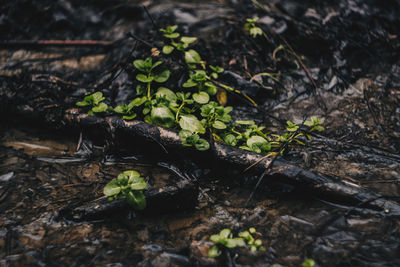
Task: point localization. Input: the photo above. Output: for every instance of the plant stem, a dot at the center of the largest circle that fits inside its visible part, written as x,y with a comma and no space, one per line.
179,110
148,91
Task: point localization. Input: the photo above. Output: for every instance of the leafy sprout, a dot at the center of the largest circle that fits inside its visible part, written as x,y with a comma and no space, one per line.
128,186
251,27
95,101
225,239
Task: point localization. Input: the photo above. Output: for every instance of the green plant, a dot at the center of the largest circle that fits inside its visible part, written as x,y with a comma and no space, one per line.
95,101
127,110
215,116
308,263
195,114
225,239
150,72
191,56
251,27
315,124
129,186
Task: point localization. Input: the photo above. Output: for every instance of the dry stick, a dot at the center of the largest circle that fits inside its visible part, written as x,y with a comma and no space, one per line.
151,18
56,43
307,72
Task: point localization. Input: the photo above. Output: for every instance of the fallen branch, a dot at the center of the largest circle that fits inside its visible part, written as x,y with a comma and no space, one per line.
282,171
182,196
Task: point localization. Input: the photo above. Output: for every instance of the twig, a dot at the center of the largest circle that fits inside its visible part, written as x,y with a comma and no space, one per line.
151,18
306,70
63,43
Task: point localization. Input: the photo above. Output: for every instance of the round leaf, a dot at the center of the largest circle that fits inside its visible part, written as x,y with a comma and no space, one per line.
143,78
138,184
139,64
201,98
191,123
202,145
219,125
191,57
166,93
111,189
188,40
162,76
255,140
131,175
214,252
102,107
82,104
167,49
163,116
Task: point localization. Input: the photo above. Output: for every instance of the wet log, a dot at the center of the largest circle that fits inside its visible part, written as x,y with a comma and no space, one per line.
282,171
179,197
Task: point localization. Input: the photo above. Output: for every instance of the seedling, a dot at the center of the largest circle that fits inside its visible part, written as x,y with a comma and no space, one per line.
215,116
201,80
251,27
150,72
315,124
128,186
127,110
95,101
308,263
225,239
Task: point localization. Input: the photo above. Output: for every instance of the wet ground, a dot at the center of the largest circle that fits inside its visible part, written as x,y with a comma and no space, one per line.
42,172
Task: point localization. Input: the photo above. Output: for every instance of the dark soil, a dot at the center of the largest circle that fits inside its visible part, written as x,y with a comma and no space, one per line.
351,49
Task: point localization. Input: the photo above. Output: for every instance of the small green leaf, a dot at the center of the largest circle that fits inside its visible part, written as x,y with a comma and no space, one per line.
309,123
131,175
166,93
111,189
102,107
219,125
137,102
136,199
245,122
202,145
308,263
120,109
162,76
143,78
163,116
192,124
225,233
189,83
183,134
129,117
191,57
254,140
172,35
188,40
235,242
97,98
255,31
201,98
214,252
230,139
319,128
139,64
82,104
138,183
167,49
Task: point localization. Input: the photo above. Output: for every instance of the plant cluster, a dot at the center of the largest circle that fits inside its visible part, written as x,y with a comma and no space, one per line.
225,239
193,111
128,186
95,102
